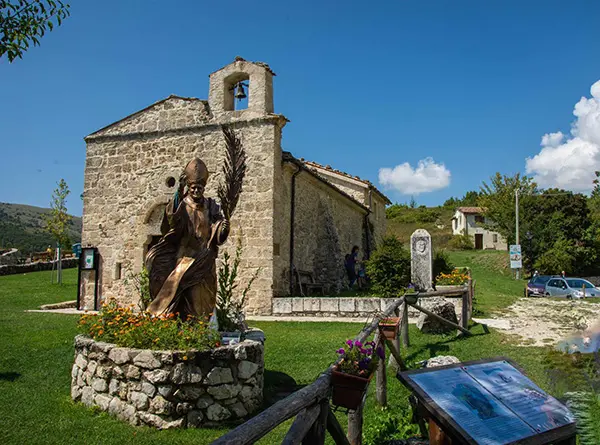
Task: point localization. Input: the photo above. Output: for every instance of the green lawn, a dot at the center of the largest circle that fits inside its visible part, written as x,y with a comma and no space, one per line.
36,354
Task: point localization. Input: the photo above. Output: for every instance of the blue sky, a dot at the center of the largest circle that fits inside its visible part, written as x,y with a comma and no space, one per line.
367,86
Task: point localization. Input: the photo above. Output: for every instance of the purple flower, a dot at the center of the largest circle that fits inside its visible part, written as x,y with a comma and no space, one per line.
380,353
371,343
358,344
363,364
350,343
341,351
369,351
363,351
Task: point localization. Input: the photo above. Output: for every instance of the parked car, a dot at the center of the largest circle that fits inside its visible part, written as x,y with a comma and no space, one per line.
536,286
571,288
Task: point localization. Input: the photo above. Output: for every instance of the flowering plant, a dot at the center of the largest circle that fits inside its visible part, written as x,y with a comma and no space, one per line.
456,277
124,327
359,359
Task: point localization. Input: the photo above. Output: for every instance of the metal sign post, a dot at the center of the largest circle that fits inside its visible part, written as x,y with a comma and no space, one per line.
88,261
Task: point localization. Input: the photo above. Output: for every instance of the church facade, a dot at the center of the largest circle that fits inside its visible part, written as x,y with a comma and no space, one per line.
293,216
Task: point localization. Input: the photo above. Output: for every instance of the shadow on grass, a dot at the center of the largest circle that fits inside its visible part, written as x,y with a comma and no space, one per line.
278,385
440,346
9,376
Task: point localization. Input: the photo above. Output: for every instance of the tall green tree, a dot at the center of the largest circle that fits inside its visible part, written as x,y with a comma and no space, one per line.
23,22
498,200
57,220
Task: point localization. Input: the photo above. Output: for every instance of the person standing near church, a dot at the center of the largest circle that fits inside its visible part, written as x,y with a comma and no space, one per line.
351,266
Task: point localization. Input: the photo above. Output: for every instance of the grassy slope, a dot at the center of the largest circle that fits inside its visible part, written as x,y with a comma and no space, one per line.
495,287
404,226
36,355
22,226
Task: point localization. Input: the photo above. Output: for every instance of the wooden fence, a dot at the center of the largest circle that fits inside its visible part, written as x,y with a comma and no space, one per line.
310,405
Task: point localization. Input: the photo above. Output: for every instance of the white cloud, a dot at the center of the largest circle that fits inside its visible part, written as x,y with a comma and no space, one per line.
426,177
569,162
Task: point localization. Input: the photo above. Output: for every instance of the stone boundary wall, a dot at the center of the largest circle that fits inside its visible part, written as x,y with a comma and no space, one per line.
36,267
349,307
169,389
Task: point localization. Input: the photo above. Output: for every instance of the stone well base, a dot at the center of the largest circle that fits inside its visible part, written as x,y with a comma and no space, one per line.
169,389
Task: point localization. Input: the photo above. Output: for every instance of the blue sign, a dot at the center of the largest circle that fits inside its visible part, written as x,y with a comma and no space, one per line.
76,248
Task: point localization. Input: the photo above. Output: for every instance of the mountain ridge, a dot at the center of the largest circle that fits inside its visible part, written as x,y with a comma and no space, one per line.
22,227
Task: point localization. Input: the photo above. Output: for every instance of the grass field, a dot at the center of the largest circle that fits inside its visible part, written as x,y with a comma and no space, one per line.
495,288
36,354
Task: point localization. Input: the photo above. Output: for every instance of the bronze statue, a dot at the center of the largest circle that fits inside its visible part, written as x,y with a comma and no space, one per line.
181,265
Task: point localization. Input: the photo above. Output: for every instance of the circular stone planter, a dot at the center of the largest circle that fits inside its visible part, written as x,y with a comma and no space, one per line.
169,389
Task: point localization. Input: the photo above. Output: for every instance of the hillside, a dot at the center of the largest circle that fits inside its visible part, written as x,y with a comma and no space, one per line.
402,221
22,227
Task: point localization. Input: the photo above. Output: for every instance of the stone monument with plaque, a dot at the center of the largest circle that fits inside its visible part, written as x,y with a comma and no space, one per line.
421,270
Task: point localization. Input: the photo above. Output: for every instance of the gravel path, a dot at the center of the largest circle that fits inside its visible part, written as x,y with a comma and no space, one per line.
544,322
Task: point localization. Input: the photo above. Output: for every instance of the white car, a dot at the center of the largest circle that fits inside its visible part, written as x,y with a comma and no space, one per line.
571,288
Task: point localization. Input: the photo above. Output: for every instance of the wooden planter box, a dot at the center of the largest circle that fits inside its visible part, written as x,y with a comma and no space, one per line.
348,390
389,327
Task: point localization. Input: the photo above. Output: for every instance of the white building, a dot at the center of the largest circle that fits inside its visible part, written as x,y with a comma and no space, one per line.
470,221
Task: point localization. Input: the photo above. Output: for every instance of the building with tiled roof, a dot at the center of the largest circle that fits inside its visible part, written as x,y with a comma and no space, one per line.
472,221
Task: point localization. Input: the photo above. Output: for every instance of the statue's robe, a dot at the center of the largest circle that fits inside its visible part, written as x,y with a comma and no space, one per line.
182,265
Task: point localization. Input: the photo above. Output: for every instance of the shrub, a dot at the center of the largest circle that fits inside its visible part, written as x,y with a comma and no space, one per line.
441,263
560,257
461,242
141,282
389,426
230,310
389,268
124,327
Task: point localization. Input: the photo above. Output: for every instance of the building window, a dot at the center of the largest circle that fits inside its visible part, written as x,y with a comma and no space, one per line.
495,237
479,219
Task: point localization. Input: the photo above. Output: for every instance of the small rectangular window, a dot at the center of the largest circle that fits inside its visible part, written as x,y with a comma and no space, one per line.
495,237
479,219
117,275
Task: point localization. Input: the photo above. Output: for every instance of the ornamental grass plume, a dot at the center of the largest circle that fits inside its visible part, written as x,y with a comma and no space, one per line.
358,359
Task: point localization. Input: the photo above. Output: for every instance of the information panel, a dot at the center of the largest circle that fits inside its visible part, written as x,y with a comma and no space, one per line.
490,403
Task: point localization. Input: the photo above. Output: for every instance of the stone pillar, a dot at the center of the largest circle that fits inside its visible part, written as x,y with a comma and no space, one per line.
421,270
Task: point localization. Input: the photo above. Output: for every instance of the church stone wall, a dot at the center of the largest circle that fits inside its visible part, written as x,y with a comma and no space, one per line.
126,188
326,226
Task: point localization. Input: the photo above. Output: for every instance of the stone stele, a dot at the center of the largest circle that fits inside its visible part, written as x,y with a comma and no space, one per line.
421,260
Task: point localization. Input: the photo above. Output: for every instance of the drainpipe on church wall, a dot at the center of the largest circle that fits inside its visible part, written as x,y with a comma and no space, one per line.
292,216
367,232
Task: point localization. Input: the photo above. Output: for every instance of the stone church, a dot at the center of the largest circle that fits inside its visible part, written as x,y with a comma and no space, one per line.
295,219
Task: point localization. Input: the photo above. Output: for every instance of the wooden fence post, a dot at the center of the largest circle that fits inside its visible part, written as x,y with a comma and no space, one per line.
316,434
404,326
381,377
464,313
355,425
392,361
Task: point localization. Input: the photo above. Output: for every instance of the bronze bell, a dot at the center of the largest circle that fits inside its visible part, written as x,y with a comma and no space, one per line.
239,91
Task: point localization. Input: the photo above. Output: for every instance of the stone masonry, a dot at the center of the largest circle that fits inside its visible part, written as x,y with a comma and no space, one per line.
132,167
169,389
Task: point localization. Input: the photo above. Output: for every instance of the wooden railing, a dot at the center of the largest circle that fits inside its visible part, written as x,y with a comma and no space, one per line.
310,405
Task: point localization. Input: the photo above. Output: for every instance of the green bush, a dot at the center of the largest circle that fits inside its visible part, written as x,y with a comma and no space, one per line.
560,257
441,263
389,268
461,242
